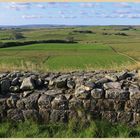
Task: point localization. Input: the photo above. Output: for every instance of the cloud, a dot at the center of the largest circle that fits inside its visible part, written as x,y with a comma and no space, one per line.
87,5
32,16
68,16
82,12
134,16
19,6
41,6
122,12
123,5
61,12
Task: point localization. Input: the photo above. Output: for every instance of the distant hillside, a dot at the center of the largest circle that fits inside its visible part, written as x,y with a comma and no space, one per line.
40,26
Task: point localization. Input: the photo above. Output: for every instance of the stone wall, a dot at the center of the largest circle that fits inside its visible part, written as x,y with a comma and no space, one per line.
59,97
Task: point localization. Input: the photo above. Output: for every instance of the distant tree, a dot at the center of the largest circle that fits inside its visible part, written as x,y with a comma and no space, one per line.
16,35
70,39
1,44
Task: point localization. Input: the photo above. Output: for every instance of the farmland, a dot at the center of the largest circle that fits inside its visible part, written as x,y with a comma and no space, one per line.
97,47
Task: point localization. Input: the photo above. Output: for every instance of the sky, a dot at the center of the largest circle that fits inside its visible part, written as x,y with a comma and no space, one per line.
70,13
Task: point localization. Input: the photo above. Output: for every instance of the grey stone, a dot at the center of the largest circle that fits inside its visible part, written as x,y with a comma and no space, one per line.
122,75
54,92
20,104
5,85
110,116
14,89
111,77
75,104
60,103
44,102
137,118
27,93
82,92
134,93
132,106
15,115
90,85
11,101
117,94
105,105
31,102
45,115
28,84
71,84
101,81
61,83
31,114
112,85
59,116
87,104
124,117
39,83
97,93
3,104
15,81
68,96
119,105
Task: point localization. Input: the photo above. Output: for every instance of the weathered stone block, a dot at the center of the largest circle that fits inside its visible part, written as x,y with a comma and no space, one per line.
59,103
28,84
75,104
82,93
105,105
20,104
110,116
119,105
134,93
5,85
15,115
137,118
112,85
31,102
124,117
59,116
11,101
132,105
97,93
44,102
117,94
31,114
45,115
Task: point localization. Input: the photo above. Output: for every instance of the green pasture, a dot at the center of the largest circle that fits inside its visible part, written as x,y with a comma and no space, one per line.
62,56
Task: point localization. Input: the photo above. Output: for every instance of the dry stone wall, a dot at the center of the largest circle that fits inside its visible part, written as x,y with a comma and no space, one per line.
60,97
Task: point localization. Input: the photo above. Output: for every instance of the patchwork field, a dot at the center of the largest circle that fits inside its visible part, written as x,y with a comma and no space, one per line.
97,47
62,56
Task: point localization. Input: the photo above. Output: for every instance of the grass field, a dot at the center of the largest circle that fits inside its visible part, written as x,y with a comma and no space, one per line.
104,48
62,56
98,129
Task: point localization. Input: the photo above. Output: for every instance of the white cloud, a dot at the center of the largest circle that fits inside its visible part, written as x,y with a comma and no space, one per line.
61,12
32,16
41,6
87,5
122,12
137,16
82,12
134,16
68,16
18,6
123,5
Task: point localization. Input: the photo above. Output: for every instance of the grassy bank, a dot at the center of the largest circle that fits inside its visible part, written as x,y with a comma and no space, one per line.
73,129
